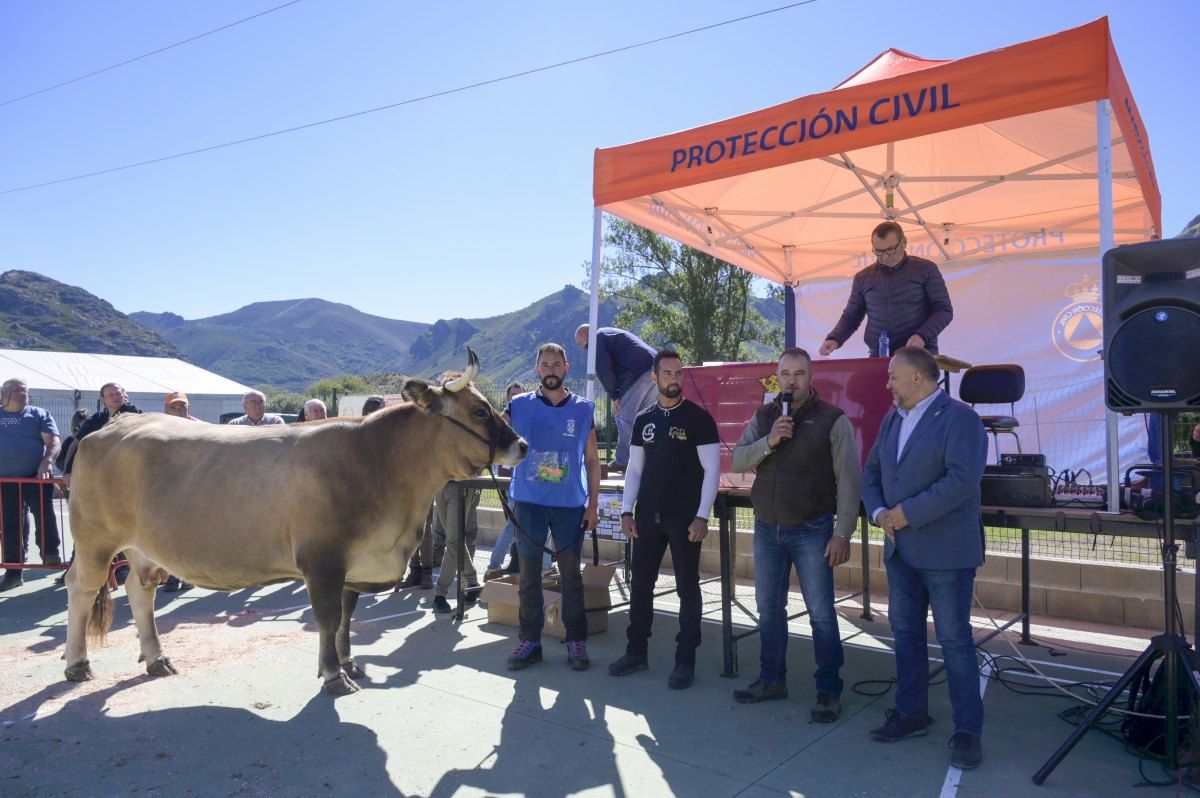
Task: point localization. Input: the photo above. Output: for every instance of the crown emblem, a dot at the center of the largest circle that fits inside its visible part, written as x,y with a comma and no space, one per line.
1086,290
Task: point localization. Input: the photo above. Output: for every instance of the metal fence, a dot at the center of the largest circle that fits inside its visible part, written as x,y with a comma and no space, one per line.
1071,546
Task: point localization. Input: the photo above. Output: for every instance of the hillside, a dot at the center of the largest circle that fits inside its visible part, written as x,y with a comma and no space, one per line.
505,344
290,343
37,312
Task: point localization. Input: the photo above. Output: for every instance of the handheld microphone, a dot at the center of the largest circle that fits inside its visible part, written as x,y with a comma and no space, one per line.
785,400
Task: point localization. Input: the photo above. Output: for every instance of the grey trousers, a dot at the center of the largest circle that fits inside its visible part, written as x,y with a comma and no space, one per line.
447,513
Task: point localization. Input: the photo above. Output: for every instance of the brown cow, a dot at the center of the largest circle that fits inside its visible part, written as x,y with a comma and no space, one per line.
339,503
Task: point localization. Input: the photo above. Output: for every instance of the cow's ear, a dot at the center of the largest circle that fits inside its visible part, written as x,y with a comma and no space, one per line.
422,395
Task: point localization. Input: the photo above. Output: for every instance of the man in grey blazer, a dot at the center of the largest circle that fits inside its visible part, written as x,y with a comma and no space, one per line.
921,484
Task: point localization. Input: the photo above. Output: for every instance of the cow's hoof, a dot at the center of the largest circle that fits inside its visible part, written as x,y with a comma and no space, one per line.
352,670
161,667
80,672
340,685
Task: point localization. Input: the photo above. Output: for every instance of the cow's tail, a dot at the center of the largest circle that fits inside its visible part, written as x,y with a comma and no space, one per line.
100,620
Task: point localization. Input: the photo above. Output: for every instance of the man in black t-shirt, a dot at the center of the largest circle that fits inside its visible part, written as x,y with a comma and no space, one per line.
674,466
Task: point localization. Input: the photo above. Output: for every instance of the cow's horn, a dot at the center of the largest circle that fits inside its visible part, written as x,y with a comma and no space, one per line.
469,375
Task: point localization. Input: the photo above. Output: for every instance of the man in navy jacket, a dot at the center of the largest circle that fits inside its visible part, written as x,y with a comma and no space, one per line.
921,484
623,364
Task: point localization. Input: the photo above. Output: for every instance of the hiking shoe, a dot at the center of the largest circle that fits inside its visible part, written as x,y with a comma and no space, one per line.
412,580
682,676
11,579
440,604
966,751
52,558
426,579
577,656
898,727
627,664
827,708
524,655
761,691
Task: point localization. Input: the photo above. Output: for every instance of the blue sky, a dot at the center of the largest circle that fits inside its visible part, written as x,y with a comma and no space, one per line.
469,205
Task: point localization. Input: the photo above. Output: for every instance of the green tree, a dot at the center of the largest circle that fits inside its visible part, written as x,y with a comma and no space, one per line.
329,389
689,299
281,400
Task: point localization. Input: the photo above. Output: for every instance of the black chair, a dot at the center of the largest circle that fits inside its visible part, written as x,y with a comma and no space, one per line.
990,385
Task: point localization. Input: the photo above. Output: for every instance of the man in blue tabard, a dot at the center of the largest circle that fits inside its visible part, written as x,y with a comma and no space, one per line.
556,491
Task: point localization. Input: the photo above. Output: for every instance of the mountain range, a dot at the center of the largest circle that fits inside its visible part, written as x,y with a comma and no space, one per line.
293,343
37,312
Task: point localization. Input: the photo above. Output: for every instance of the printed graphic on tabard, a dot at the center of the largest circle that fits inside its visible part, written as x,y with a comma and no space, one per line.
549,467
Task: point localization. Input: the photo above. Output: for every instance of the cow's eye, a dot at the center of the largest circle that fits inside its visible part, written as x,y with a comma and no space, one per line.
481,413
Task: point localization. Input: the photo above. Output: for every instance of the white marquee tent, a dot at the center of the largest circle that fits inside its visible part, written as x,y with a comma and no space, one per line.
63,382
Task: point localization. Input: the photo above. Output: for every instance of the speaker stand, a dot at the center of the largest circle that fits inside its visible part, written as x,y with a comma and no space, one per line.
1172,646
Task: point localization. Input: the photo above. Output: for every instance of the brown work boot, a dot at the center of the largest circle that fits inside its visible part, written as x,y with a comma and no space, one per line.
826,709
760,691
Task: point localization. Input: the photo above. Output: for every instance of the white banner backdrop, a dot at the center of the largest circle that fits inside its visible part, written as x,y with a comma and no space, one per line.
1041,313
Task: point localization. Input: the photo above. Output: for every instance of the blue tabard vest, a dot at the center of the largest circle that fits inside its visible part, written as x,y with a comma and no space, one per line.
552,473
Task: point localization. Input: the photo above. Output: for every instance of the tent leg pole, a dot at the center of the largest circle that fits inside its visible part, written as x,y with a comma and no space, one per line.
1107,240
594,305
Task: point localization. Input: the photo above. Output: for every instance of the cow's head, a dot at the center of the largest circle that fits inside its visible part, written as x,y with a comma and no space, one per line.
473,427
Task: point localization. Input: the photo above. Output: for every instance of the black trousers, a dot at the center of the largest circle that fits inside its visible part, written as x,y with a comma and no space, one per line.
15,500
654,536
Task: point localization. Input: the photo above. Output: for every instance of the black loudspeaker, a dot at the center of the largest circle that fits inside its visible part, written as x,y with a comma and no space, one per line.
1152,326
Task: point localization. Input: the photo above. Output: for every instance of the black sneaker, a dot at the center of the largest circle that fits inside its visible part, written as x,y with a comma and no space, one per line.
426,579
966,751
172,585
577,656
682,677
524,655
440,604
827,708
627,664
761,691
412,580
898,727
471,595
11,580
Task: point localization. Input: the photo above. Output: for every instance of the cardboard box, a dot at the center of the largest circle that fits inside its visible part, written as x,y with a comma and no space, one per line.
503,603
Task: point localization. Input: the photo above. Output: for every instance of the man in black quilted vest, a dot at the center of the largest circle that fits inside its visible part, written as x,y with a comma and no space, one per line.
807,467
900,294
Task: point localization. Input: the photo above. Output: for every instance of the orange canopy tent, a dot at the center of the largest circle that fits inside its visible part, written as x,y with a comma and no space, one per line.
999,144
1011,145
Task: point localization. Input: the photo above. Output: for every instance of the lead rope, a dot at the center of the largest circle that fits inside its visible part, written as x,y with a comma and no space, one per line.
509,515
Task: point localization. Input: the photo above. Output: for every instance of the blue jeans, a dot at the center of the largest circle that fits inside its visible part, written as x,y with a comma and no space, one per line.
777,549
504,543
911,593
564,523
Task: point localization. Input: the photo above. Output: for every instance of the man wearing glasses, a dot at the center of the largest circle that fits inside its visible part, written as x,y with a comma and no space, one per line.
255,405
901,295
